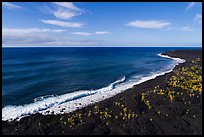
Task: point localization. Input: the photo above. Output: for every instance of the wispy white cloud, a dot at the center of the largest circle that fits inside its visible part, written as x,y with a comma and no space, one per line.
102,32
65,14
88,33
191,5
10,5
186,28
23,39
63,23
79,42
198,18
29,30
66,10
68,5
58,30
82,33
9,40
149,24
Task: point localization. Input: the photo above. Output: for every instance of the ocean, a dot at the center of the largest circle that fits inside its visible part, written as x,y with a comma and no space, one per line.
38,79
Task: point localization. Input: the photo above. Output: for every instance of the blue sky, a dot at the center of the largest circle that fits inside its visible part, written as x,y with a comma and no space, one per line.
101,24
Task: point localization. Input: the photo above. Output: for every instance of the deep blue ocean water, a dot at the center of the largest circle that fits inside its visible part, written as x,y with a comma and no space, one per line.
29,73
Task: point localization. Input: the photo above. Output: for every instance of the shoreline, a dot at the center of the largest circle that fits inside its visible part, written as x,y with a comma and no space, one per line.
127,95
87,97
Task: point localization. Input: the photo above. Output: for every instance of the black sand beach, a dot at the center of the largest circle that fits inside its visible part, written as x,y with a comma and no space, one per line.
170,104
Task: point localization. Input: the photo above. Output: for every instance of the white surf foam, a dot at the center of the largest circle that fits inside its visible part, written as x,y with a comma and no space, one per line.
178,60
72,101
41,104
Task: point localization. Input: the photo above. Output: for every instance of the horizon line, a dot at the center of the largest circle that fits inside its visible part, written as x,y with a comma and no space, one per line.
90,46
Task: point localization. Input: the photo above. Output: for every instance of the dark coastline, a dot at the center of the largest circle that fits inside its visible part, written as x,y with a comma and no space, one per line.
169,118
